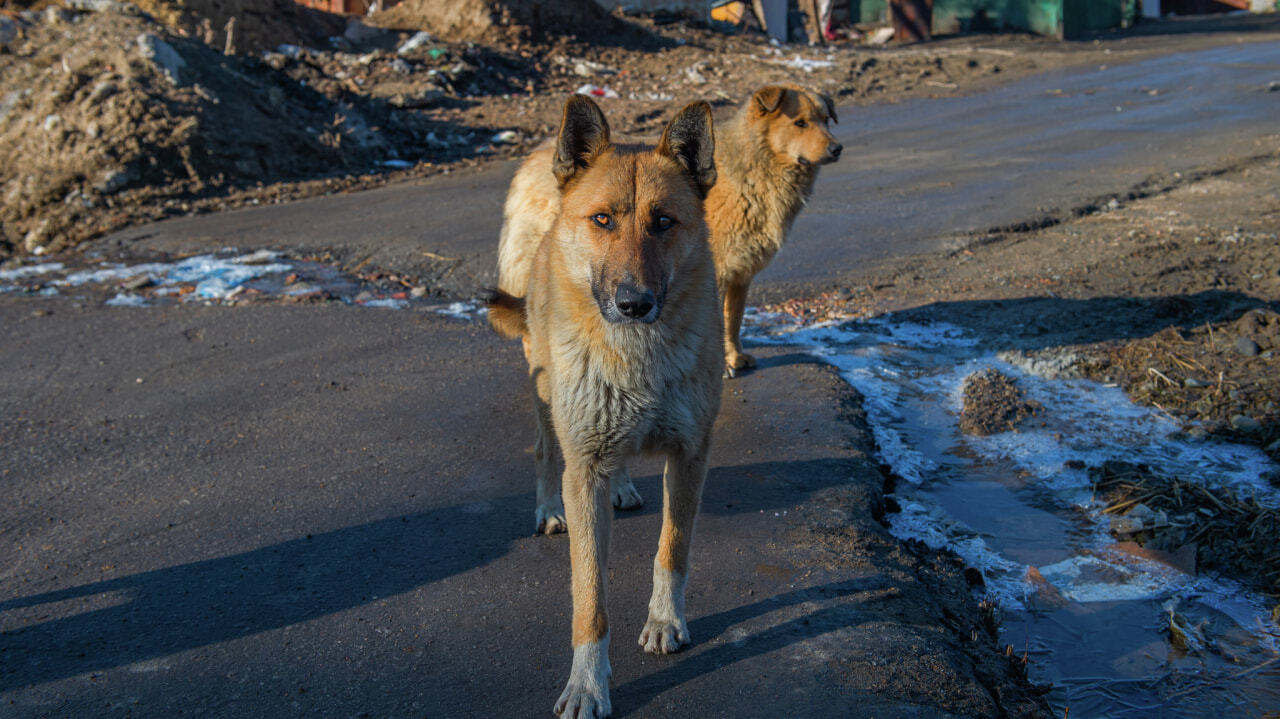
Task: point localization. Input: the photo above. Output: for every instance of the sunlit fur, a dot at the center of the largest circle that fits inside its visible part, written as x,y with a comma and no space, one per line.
607,386
766,168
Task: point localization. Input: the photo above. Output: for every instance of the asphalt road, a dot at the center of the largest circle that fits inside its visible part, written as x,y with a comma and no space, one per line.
328,511
279,510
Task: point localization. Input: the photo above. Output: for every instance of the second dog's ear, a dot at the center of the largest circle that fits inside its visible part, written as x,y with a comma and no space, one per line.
769,98
583,135
689,140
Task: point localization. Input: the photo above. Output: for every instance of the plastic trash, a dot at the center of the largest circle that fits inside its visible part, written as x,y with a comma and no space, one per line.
419,39
596,91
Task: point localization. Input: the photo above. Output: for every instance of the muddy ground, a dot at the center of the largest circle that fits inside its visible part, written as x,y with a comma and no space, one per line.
115,117
1173,295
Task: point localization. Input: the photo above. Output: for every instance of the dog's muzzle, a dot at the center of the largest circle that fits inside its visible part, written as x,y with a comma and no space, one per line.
634,303
833,152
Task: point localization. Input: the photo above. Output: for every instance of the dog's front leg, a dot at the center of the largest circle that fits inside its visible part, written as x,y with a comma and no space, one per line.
735,304
549,515
667,631
587,507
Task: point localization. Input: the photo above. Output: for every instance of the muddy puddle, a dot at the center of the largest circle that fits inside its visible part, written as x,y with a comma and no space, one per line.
1116,630
227,277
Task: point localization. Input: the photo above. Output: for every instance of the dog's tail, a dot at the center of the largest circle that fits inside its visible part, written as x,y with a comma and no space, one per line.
506,313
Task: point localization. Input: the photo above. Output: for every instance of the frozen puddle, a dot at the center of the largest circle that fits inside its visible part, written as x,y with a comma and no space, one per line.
1091,614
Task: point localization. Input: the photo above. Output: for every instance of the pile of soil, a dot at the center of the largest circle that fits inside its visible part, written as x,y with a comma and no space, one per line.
259,24
993,403
108,118
1225,533
500,20
1225,376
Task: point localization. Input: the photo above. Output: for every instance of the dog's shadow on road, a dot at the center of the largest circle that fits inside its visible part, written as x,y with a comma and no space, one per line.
841,610
157,613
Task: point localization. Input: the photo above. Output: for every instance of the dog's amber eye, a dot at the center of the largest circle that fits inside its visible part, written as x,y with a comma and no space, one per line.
801,123
602,220
663,223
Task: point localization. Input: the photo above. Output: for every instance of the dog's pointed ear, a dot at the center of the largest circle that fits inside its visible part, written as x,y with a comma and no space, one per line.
831,108
584,133
769,98
690,141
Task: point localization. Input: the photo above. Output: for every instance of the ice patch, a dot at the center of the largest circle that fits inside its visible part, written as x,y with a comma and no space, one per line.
124,299
30,271
469,310
385,302
902,368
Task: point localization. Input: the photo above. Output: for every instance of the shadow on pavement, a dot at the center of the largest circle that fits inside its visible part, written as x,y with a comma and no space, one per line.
200,603
635,695
178,608
1032,323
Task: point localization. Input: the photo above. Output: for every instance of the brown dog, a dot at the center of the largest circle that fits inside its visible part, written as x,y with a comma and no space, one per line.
620,323
767,158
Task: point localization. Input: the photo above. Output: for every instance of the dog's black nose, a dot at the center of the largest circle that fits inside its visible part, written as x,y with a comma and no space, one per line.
834,149
632,301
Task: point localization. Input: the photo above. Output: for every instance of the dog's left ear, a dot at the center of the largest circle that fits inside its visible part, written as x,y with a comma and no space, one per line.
690,141
831,108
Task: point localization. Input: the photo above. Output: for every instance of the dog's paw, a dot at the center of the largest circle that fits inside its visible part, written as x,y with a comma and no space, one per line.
550,516
664,637
735,363
586,696
578,702
625,495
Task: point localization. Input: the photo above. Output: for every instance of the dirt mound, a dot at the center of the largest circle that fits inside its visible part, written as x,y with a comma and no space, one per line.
260,24
499,20
993,404
105,111
1224,375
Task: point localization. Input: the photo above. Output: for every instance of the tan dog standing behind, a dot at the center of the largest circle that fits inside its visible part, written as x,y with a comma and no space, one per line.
621,326
767,159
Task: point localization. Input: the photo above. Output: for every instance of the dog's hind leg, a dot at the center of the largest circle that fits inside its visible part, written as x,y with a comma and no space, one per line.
623,491
586,499
667,630
550,511
735,303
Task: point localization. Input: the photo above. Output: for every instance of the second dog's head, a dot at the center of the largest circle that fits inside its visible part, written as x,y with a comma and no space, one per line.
630,218
794,122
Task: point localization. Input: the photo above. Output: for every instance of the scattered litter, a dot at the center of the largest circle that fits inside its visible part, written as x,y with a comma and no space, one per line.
596,91
419,39
506,137
881,36
803,63
397,164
